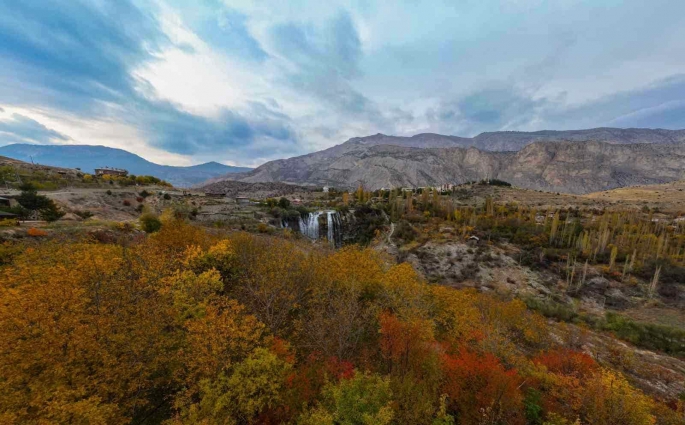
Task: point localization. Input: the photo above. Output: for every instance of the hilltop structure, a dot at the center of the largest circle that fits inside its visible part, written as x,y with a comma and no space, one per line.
108,171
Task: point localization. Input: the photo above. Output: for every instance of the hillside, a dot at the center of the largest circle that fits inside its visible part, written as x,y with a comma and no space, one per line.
13,170
668,197
571,167
87,157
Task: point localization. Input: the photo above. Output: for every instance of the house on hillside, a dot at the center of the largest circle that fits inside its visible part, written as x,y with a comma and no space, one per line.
242,200
8,202
108,171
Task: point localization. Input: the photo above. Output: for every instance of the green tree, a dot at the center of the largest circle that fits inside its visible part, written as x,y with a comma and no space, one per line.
254,387
150,223
30,200
284,203
364,399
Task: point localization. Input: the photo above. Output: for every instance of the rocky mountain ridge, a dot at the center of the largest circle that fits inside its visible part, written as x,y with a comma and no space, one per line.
559,166
516,140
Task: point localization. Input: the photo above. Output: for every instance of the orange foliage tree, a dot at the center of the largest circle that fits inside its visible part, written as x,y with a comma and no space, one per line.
480,390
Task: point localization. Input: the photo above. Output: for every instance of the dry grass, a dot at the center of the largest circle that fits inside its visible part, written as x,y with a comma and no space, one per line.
669,197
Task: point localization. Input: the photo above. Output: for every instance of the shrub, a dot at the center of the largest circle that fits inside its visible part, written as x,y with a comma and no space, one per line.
8,222
654,337
30,200
284,203
33,232
495,182
126,203
150,223
85,214
109,192
144,193
404,231
167,196
552,309
140,199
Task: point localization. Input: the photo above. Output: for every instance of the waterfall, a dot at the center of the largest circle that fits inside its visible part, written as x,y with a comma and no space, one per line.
309,226
331,231
334,228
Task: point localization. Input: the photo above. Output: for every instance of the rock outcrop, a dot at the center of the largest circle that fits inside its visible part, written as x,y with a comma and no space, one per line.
570,167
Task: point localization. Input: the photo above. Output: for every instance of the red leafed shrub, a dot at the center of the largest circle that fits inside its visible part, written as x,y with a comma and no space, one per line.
480,389
567,362
306,382
140,199
405,345
126,203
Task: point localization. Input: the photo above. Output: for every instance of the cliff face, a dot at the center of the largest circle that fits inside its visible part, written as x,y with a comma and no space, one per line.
593,166
574,166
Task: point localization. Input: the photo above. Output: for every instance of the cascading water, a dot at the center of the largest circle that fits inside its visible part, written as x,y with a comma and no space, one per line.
334,227
309,226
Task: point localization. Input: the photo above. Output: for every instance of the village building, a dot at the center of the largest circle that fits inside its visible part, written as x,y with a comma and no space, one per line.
4,215
242,200
108,171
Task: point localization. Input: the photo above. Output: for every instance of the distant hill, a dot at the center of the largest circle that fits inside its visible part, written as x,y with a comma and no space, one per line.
578,161
87,158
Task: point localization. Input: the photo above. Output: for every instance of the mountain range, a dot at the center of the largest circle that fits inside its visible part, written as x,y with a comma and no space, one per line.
87,158
578,161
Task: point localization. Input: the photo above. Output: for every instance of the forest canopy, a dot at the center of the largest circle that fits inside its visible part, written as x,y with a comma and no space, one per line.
184,326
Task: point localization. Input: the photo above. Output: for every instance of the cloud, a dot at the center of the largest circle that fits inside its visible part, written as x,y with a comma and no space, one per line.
79,58
503,106
246,82
24,129
226,30
73,55
324,61
181,132
658,104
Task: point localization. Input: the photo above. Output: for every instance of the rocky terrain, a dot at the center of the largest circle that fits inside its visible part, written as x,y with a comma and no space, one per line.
570,167
253,190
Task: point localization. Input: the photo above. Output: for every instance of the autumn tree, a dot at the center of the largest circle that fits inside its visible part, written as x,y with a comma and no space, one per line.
364,399
480,390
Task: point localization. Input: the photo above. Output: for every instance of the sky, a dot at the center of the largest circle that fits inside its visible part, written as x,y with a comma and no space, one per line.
182,82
